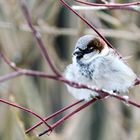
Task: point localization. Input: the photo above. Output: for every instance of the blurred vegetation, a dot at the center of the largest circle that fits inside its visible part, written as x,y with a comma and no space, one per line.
106,120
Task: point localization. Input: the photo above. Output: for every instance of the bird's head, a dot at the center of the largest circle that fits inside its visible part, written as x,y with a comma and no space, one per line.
89,47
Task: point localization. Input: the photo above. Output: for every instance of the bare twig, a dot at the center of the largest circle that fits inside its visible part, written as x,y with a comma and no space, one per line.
37,36
109,4
83,19
69,115
25,109
53,115
90,25
10,76
133,6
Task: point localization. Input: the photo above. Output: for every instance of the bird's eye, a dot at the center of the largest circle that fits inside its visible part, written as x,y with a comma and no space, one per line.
91,45
91,48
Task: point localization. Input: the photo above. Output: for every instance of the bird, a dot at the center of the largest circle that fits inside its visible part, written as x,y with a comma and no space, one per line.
96,64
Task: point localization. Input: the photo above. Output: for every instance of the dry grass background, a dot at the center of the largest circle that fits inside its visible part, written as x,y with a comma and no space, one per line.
106,120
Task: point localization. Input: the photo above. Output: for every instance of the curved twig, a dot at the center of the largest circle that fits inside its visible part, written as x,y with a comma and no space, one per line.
37,36
25,109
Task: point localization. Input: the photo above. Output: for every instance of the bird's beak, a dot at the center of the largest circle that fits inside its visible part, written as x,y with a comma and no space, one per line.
76,51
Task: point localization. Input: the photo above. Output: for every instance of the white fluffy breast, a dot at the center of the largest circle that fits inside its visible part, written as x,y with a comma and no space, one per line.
73,74
107,72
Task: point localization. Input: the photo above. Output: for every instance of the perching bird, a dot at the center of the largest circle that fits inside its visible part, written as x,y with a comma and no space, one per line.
95,64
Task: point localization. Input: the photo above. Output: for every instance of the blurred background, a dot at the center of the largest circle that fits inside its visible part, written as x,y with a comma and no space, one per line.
109,119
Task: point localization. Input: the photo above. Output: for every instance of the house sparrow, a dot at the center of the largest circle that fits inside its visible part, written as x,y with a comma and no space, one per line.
97,65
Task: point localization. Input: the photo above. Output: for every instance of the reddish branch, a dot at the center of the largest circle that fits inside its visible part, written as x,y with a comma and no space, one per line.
90,25
53,115
112,5
57,76
133,6
69,115
26,110
87,22
37,36
10,76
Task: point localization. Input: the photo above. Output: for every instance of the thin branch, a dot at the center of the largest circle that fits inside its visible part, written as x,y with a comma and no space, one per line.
126,100
25,71
10,76
90,25
69,115
114,5
79,7
53,115
37,36
134,6
24,109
